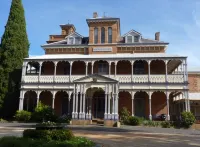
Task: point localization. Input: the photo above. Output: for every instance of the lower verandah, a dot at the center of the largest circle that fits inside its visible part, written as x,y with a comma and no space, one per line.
137,105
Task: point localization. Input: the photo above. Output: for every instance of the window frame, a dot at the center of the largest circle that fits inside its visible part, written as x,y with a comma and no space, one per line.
96,36
104,37
110,36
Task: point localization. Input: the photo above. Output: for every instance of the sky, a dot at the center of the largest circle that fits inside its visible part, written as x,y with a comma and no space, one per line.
178,21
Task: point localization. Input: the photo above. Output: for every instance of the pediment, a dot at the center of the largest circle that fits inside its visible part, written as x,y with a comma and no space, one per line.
95,78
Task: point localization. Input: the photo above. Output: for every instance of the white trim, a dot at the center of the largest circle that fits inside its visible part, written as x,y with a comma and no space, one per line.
133,32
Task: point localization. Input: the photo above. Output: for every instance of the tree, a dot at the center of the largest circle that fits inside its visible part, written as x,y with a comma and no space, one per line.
13,49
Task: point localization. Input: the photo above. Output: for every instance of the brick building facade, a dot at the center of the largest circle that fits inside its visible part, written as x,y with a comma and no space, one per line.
94,77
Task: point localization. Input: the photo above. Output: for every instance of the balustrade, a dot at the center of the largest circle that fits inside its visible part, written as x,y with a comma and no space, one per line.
120,78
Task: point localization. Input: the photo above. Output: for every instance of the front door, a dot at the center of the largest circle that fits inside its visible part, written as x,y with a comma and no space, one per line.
99,107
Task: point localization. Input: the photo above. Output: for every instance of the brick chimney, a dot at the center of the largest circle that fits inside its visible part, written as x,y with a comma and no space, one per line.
157,36
95,15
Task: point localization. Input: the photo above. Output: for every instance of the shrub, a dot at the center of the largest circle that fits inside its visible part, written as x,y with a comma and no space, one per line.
48,135
43,113
49,126
165,124
23,115
187,119
64,119
151,123
3,120
25,142
134,121
124,115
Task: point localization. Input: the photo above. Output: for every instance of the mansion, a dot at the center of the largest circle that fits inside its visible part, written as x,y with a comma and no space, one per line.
93,78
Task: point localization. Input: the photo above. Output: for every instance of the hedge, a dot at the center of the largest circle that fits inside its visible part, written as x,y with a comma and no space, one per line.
48,135
25,142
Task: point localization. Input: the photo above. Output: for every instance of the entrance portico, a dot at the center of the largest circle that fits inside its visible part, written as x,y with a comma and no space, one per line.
96,97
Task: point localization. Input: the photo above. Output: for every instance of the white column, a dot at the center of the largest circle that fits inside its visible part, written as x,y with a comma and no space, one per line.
133,94
167,96
166,78
81,101
38,97
24,70
150,116
92,63
186,73
149,70
188,101
40,67
70,73
86,68
83,112
69,98
132,63
116,103
109,68
54,77
74,97
77,92
115,68
90,108
113,102
106,99
53,99
21,103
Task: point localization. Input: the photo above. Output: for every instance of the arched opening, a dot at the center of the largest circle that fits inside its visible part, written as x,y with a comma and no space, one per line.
141,104
47,68
158,104
157,67
46,98
32,68
30,101
140,67
97,106
62,103
125,101
78,68
63,68
124,67
175,67
101,67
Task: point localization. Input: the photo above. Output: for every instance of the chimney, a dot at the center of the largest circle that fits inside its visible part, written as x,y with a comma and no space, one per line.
157,36
95,15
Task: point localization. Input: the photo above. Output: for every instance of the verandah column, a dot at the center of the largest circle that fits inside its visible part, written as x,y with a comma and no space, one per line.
84,92
132,63
74,97
54,76
150,115
109,101
81,101
166,78
116,68
149,70
92,64
133,96
106,99
71,63
53,99
167,98
116,102
86,68
113,102
109,68
77,92
21,100
40,67
69,98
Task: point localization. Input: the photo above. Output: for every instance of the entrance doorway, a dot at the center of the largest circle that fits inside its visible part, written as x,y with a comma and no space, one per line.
140,107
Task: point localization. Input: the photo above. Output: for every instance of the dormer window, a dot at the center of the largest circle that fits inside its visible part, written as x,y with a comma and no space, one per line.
136,38
129,39
71,40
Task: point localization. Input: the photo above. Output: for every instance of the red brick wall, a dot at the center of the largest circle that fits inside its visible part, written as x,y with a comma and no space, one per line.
78,68
46,98
48,68
125,101
194,82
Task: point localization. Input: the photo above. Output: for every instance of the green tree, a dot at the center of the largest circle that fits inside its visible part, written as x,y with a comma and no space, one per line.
14,47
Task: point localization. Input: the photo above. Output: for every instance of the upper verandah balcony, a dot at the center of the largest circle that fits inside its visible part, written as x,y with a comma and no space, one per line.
126,68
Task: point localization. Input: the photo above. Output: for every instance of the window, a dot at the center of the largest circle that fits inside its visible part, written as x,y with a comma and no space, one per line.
102,35
109,35
103,68
77,40
129,39
95,35
139,67
136,38
71,40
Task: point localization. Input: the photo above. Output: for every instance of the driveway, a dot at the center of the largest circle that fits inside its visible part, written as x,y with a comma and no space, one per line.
126,136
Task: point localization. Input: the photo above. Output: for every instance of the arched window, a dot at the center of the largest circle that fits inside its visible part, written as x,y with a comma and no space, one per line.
103,35
139,67
109,35
95,35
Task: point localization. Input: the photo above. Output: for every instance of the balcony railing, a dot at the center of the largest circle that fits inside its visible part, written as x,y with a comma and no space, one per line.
121,78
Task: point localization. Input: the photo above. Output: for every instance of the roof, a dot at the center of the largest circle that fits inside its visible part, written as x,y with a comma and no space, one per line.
104,56
131,32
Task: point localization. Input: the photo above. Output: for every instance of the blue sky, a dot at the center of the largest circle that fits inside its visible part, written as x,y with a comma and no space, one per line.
177,20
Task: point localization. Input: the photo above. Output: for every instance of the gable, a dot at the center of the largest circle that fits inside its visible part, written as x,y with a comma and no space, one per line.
95,78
